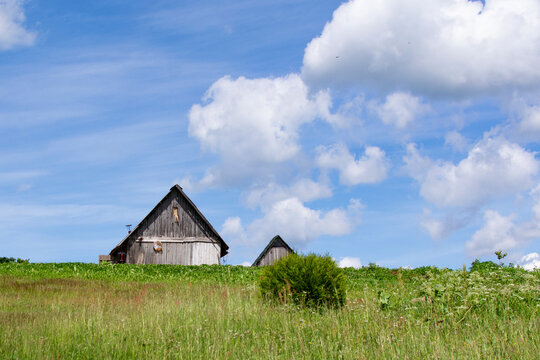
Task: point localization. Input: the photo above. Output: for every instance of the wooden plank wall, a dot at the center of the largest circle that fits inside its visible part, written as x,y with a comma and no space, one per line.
162,222
174,253
273,255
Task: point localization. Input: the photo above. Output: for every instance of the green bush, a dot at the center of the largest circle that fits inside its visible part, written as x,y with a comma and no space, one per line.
478,265
305,280
6,260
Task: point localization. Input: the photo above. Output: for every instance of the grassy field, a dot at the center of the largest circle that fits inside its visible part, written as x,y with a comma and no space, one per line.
87,311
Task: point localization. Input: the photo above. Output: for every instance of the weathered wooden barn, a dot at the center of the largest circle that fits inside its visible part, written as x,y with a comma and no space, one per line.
275,250
174,232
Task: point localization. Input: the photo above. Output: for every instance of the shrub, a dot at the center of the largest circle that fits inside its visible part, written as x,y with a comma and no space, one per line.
305,280
484,266
5,260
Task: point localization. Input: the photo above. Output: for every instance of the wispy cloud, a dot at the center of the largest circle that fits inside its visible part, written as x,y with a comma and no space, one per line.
12,25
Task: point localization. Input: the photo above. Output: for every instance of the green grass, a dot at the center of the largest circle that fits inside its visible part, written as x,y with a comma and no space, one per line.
87,311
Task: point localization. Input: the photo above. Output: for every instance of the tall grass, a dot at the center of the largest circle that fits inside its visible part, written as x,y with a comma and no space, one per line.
390,314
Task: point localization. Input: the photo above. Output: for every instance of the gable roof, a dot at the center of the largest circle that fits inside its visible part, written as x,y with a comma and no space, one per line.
276,241
177,189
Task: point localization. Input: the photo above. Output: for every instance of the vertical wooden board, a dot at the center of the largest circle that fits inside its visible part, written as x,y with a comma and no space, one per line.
163,221
180,254
177,253
189,254
167,249
145,259
170,255
196,251
132,253
206,253
142,251
163,254
168,219
185,253
273,255
182,216
140,258
148,253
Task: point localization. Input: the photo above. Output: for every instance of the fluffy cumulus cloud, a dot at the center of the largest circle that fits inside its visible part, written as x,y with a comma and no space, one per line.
530,120
504,232
350,262
527,127
294,221
305,190
12,30
291,219
399,109
494,167
233,230
371,167
530,261
252,123
435,47
499,233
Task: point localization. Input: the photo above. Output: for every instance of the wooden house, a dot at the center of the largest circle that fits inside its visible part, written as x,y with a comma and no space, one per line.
174,232
275,250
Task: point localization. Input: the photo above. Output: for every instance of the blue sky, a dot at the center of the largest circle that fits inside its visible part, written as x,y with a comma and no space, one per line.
399,133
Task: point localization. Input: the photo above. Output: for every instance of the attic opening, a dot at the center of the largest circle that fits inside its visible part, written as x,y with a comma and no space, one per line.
175,214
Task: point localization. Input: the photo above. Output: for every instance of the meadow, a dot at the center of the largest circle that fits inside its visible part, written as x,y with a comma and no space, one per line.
89,311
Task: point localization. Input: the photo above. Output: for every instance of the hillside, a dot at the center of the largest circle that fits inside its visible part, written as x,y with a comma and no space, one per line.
88,311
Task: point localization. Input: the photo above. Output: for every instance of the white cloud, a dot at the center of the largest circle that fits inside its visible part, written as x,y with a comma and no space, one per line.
350,262
493,168
526,125
400,109
254,123
530,261
530,120
233,231
304,189
437,47
12,31
456,141
503,233
372,167
291,219
499,233
246,263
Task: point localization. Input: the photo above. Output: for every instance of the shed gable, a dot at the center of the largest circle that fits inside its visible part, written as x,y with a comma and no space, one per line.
275,250
174,219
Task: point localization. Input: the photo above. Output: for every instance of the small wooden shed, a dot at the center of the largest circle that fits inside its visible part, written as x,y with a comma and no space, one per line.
275,250
174,232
